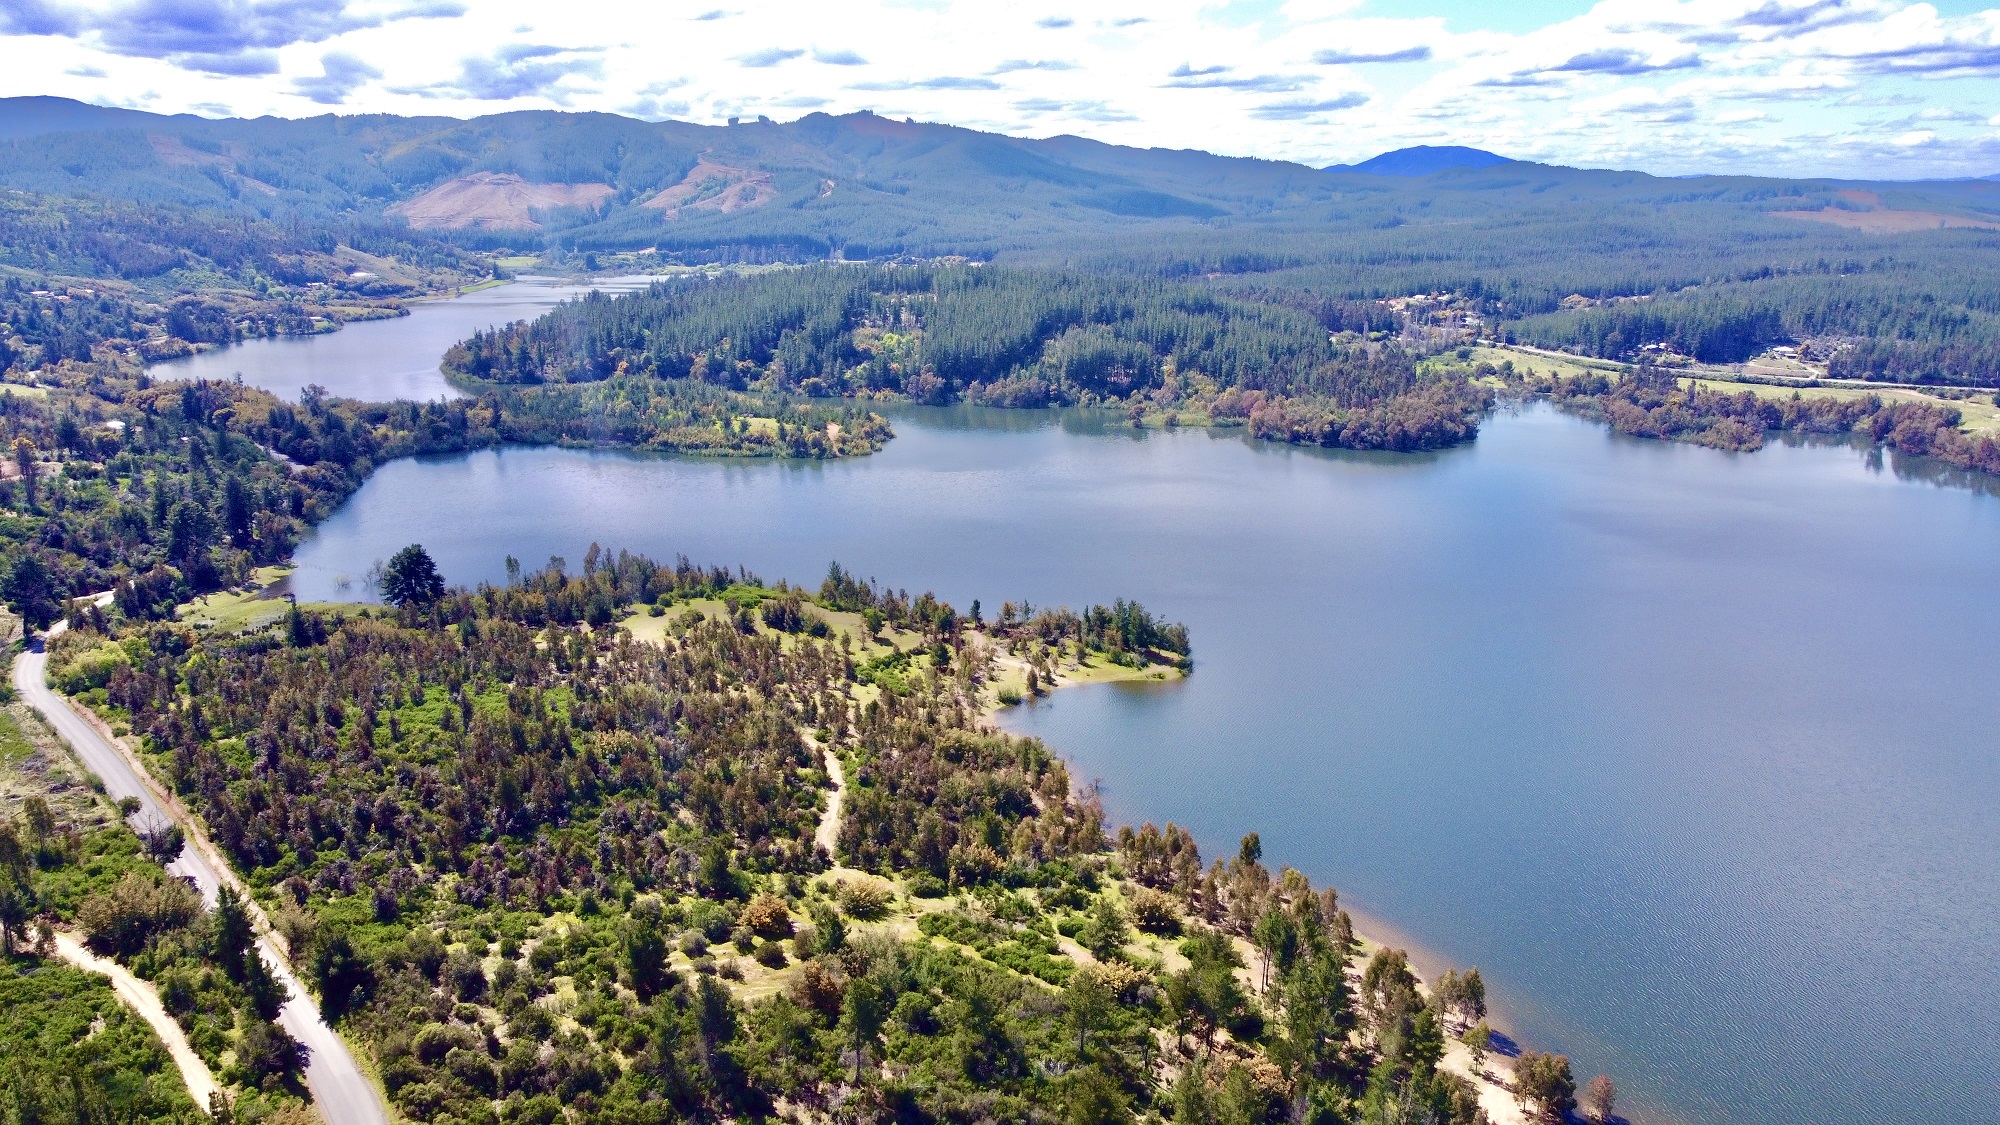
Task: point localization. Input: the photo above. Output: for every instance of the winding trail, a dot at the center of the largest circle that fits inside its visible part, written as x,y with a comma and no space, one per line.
341,1093
143,999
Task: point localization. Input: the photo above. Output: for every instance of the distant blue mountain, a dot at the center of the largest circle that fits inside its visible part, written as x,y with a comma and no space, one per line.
35,116
1422,160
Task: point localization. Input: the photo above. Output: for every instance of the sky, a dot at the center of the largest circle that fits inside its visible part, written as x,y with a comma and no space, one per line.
1864,88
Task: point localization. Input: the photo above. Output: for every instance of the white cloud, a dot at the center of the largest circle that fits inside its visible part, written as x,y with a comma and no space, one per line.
1667,85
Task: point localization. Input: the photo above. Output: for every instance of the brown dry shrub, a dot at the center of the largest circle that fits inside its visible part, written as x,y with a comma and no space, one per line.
820,986
767,917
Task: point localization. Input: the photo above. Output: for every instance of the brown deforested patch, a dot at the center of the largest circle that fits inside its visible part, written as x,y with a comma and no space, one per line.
495,201
1888,222
715,188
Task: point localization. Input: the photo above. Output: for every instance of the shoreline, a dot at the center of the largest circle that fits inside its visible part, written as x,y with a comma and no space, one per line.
1372,932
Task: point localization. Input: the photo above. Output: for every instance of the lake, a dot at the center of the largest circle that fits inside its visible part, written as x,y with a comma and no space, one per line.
1691,752
384,359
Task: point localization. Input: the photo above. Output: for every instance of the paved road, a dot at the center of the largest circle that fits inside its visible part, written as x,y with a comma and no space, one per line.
340,1092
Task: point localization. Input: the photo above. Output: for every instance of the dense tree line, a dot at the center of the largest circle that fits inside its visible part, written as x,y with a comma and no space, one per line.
103,238
1003,337
1892,319
1435,415
934,332
150,281
1122,627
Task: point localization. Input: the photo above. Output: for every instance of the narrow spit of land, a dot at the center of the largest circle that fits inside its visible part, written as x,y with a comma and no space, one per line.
1012,677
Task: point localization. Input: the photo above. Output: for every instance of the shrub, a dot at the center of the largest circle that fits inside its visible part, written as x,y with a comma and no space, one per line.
267,1051
972,864
771,955
767,917
434,1041
863,898
471,1069
426,952
466,976
711,918
786,614
1154,912
1103,932
422,1101
81,661
533,1023
819,987
122,920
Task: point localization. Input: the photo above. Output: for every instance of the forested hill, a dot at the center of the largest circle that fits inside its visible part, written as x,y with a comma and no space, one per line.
1894,281
1004,337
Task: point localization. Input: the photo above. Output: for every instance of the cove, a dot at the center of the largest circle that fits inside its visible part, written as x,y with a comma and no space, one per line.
1690,752
381,360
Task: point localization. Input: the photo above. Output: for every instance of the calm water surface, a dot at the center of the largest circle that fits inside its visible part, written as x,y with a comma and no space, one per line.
1692,753
384,359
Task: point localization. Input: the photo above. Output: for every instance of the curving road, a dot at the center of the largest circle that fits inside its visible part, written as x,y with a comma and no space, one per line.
340,1092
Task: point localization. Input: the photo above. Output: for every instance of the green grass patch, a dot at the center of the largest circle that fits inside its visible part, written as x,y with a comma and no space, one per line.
60,1026
14,745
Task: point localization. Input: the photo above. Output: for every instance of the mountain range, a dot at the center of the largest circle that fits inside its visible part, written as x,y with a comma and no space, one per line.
858,185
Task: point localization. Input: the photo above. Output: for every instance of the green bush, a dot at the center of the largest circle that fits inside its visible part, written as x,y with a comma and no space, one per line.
122,920
90,668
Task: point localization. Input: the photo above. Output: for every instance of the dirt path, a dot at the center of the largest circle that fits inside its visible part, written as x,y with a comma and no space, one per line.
141,998
828,833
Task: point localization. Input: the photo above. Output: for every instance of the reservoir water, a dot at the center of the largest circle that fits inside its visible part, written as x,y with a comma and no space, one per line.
384,359
1692,753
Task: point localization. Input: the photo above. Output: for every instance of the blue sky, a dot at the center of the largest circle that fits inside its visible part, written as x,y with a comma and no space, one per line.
1864,88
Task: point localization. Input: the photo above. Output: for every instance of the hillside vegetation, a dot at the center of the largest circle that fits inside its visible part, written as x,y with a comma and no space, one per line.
542,871
161,492
70,1050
